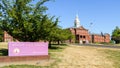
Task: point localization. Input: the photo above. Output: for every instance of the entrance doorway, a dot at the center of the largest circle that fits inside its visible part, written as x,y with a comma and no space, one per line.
84,42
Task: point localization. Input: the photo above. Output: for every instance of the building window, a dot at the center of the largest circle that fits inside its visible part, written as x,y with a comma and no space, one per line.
83,36
80,36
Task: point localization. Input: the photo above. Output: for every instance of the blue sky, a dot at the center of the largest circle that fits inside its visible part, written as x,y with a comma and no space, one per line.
104,14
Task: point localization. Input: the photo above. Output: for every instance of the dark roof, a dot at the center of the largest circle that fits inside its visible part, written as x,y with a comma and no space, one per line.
101,34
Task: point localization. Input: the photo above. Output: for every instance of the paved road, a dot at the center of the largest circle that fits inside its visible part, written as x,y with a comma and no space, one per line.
95,45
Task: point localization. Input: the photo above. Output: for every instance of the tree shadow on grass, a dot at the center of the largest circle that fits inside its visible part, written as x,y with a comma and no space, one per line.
55,47
60,44
3,52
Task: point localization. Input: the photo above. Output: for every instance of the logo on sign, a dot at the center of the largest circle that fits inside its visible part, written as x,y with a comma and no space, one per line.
16,50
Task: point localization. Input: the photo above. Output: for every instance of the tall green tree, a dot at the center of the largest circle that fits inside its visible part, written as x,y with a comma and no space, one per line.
1,35
26,21
116,35
61,35
65,35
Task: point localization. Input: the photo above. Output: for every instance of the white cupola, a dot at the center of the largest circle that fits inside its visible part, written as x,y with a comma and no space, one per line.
77,22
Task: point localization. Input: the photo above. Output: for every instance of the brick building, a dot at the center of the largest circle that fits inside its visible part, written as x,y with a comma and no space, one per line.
82,35
96,38
7,37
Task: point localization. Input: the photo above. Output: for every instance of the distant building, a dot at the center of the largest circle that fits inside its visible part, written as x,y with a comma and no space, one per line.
7,37
96,38
82,35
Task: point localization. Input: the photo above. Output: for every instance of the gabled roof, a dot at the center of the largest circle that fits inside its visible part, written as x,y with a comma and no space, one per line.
81,28
101,34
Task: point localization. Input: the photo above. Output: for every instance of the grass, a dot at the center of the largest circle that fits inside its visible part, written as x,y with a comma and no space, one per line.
117,44
114,56
3,49
3,52
3,45
57,48
24,66
54,51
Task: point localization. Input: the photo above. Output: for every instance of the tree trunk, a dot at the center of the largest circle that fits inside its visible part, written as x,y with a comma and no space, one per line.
58,42
50,44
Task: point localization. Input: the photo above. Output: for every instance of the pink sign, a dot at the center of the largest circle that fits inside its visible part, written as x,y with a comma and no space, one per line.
28,48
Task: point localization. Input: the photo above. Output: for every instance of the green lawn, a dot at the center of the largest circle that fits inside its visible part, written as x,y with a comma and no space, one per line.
3,49
24,66
3,45
57,48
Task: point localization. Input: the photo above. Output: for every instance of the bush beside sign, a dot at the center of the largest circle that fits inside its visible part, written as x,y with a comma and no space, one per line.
28,48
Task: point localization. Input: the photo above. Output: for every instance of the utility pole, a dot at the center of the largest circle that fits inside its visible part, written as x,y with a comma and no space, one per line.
91,38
